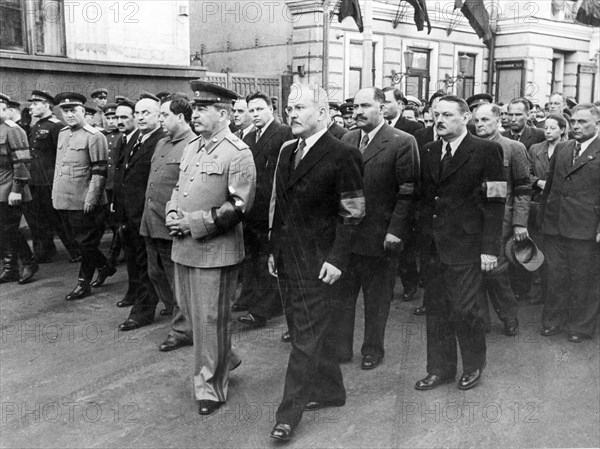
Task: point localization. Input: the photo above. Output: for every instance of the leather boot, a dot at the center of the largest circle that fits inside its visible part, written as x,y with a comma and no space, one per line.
10,272
30,266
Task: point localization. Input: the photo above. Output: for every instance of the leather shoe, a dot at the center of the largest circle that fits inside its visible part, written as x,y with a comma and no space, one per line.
253,320
409,293
469,380
125,302
208,407
28,272
171,344
81,291
282,432
103,273
318,405
575,338
239,308
549,331
129,325
165,312
370,362
420,311
286,337
511,327
433,381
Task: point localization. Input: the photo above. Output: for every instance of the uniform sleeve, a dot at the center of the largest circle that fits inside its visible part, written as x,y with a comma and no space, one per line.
20,155
494,198
349,185
407,178
242,186
521,177
98,150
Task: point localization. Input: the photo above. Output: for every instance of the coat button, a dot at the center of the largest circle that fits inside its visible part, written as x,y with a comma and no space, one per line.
191,179
149,200
435,216
184,193
437,198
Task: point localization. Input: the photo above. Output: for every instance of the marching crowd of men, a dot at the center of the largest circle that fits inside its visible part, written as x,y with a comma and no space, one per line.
467,198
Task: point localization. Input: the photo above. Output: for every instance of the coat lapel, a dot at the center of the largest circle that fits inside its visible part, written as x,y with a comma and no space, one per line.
543,158
127,149
461,156
314,155
378,143
434,156
264,138
285,161
590,153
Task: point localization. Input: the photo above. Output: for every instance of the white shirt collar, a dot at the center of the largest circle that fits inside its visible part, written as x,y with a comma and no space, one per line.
128,136
247,130
145,136
264,128
373,132
310,141
394,121
587,143
455,143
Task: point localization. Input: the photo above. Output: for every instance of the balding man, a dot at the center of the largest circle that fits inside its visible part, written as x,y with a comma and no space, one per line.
131,187
318,204
518,197
242,118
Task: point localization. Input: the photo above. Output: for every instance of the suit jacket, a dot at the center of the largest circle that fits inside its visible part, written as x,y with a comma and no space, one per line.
265,153
318,206
408,126
463,211
337,131
529,136
216,187
391,174
571,201
133,176
423,136
540,164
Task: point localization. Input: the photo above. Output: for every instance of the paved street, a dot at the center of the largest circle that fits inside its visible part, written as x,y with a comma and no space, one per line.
69,379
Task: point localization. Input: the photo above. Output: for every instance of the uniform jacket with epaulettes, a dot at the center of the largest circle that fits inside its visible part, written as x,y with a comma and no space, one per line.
14,159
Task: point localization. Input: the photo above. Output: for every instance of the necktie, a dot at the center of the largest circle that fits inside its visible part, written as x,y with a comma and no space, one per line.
364,143
576,152
389,122
446,160
257,135
299,153
135,147
516,137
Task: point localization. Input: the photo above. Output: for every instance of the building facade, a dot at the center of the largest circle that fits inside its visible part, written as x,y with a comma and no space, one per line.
538,48
63,45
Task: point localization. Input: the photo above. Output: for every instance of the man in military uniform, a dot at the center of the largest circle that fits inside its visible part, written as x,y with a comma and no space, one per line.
78,191
14,157
44,221
215,190
113,137
100,98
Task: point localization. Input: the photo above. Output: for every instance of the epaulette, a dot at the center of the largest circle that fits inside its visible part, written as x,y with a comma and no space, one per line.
236,141
11,123
54,120
194,139
90,129
288,142
62,129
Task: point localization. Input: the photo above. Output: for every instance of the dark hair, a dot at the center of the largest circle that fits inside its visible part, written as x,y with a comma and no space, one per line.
180,106
413,108
398,96
560,119
463,107
522,101
378,95
258,95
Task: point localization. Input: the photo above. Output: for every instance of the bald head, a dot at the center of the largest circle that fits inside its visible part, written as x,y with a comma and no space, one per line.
487,120
146,115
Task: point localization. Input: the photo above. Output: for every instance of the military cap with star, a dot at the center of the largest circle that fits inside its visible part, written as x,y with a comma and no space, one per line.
14,104
349,100
162,95
4,98
110,109
475,100
97,92
209,93
124,101
69,99
144,95
40,95
335,106
411,99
